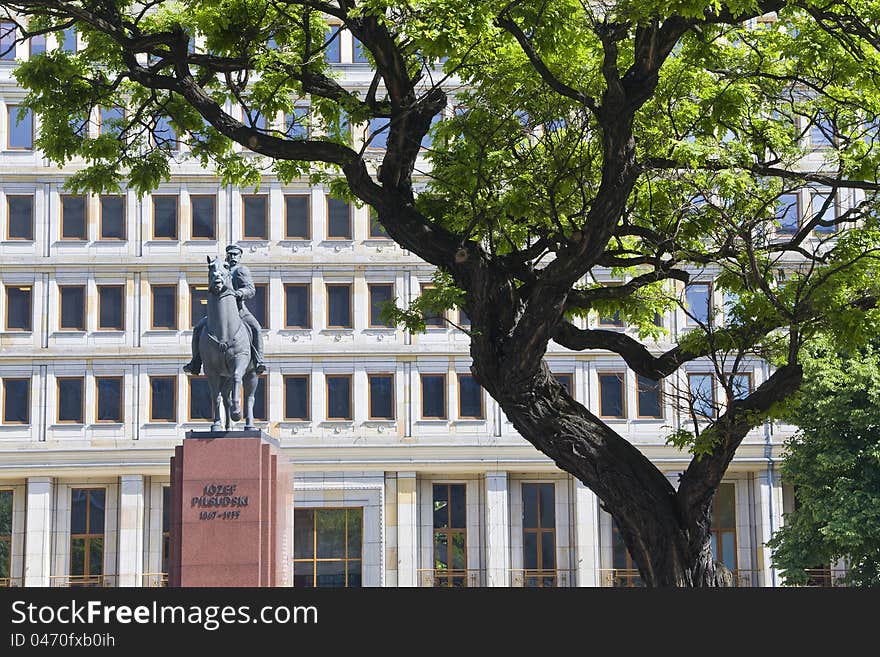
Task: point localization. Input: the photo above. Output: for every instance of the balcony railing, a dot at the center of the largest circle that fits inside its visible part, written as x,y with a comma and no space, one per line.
11,582
825,577
83,581
154,580
542,578
456,579
630,578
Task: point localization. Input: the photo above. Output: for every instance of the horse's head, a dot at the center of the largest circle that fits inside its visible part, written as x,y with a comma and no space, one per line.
218,276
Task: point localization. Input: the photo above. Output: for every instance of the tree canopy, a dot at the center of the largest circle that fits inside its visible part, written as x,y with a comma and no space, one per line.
583,160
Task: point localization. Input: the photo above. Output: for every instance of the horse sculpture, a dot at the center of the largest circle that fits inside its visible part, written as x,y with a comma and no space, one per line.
225,349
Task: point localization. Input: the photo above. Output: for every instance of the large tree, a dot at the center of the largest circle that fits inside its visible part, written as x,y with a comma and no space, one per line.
648,142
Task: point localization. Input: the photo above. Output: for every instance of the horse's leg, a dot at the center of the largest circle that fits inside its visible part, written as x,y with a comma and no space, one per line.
214,385
239,368
227,400
250,387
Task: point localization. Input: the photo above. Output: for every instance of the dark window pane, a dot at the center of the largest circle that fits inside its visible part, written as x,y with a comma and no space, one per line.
330,574
381,396
303,574
166,508
470,397
200,402
457,506
165,217
296,214
611,395
16,401
441,552
724,507
5,513
38,44
296,398
70,400
458,551
164,307
18,308
441,506
296,307
338,397
109,399
433,395
112,120
338,219
21,217
7,41
355,532
303,533
548,550
96,556
377,230
255,217
79,506
111,302
339,306
162,398
73,217
354,574
432,318
204,217
198,303
379,296
548,506
530,506
96,511
20,127
257,304
72,307
378,133
332,52
330,529
260,399
77,556
698,304
565,381
530,550
112,218
649,397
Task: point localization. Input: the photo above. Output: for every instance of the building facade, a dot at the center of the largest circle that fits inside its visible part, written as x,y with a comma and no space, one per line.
406,472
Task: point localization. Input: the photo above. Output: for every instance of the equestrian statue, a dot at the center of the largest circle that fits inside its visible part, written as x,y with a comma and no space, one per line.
228,342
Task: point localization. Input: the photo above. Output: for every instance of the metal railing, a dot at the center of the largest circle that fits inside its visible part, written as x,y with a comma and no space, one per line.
542,578
455,579
630,578
154,580
11,582
825,577
82,581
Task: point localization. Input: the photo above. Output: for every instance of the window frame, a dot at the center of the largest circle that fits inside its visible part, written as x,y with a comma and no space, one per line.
482,415
639,413
689,321
308,235
308,405
346,238
750,374
189,399
265,235
9,237
445,402
370,288
101,237
694,414
569,376
121,414
441,317
370,377
327,378
346,532
621,377
308,290
350,287
193,287
85,233
192,218
10,123
30,316
153,418
82,399
87,578
154,237
68,329
4,380
539,574
153,327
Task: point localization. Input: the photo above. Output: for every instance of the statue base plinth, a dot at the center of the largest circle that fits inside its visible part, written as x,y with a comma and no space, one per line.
231,500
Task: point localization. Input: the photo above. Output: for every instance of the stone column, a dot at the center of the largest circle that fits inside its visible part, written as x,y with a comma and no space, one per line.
407,530
497,512
768,519
131,530
38,531
586,527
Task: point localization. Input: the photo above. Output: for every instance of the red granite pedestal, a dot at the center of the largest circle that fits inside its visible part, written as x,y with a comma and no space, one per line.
231,497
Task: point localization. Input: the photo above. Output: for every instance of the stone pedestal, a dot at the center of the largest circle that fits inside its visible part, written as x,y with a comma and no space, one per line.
231,500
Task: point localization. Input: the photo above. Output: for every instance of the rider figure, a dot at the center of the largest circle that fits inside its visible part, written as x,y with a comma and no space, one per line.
243,285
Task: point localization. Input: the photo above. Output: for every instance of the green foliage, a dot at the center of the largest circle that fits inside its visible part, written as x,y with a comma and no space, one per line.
440,297
833,462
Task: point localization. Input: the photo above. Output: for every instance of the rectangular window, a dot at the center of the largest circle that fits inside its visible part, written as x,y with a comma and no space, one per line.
16,401
698,297
741,384
614,320
359,52
163,399
788,213
260,405
19,128
464,320
339,305
433,396
566,381
5,537
112,119
166,526
20,213
201,405
110,397
649,402
67,39
327,547
332,50
297,310
338,396
296,217
539,535
702,394
111,307
164,134
824,207
198,303
296,123
70,399
380,294
612,395
377,230
255,210
204,216
72,299
821,132
73,217
7,48
164,315
112,218
37,44
19,308
723,531
377,134
338,219
381,396
450,535
470,398
296,397
625,573
87,507
257,304
165,224
432,318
